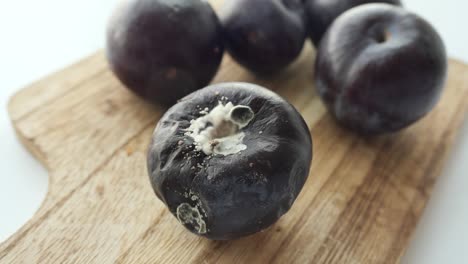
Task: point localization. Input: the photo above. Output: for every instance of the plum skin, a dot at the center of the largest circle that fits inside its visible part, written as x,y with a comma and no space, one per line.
242,193
163,50
264,36
322,13
380,68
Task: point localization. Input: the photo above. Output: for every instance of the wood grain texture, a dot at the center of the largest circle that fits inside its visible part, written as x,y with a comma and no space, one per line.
360,204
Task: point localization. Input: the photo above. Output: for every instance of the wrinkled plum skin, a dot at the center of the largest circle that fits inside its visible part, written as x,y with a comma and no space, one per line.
264,36
321,13
380,68
164,49
245,192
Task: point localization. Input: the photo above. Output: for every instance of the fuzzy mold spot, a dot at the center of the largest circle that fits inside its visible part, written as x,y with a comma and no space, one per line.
191,216
219,130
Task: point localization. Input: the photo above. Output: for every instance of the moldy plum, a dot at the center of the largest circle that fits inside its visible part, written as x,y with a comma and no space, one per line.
380,68
264,36
229,160
164,49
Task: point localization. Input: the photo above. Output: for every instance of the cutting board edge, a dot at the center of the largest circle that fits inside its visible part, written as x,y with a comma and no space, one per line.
439,170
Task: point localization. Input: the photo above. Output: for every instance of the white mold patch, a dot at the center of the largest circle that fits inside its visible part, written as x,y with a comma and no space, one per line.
219,130
188,215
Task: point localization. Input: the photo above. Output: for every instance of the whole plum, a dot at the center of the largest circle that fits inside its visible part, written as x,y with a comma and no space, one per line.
264,36
164,49
322,13
380,68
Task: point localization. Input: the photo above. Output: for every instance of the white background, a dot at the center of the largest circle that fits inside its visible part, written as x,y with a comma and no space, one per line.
39,37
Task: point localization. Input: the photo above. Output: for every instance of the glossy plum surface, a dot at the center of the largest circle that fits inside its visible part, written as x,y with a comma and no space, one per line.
321,13
264,36
380,68
229,196
164,49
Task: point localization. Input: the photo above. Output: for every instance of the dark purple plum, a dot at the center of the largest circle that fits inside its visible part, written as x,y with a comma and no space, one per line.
164,49
229,160
264,36
321,13
380,68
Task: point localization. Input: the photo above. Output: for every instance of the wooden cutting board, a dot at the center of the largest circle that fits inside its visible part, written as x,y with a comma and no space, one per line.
360,204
